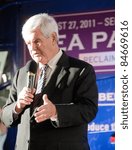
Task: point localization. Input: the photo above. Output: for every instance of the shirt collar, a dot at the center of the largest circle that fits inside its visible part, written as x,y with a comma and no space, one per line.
52,63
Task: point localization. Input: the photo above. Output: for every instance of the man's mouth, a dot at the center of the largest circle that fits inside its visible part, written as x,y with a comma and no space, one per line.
36,55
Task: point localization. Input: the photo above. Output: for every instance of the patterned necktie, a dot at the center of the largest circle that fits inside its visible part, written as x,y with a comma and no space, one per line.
42,79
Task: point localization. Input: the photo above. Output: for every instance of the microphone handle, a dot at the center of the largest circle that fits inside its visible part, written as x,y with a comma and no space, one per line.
30,80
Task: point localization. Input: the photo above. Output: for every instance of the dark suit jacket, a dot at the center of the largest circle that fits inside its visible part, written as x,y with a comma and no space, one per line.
72,88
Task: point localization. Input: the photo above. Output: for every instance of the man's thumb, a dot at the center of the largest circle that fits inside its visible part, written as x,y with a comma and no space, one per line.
45,99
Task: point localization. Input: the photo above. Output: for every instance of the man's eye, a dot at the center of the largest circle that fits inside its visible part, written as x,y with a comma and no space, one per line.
37,42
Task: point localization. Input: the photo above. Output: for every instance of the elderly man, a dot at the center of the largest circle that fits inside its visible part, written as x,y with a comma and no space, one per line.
54,114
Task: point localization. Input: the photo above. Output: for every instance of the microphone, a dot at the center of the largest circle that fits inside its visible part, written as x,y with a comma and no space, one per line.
31,69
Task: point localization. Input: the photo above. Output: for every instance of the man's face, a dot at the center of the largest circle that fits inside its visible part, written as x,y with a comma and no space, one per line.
40,48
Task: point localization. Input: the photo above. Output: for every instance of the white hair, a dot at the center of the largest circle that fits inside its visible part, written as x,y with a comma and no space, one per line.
46,23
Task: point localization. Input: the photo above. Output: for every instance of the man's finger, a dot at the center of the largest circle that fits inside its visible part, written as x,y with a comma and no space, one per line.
45,99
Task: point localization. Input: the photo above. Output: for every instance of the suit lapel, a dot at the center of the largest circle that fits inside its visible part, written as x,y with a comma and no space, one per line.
62,73
62,77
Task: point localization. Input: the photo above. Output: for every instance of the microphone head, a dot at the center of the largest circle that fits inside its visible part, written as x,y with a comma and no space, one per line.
31,66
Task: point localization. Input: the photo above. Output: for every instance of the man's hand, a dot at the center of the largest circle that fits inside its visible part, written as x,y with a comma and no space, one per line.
45,111
24,98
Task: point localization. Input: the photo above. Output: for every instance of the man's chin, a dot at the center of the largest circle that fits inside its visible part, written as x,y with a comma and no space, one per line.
37,59
40,60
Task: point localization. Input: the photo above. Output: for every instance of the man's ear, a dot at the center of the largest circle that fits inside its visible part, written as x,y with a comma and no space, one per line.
54,37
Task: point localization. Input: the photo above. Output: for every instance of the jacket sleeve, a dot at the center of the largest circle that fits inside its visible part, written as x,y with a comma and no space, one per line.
7,111
85,101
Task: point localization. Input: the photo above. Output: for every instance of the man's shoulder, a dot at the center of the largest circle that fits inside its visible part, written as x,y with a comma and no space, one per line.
29,65
23,69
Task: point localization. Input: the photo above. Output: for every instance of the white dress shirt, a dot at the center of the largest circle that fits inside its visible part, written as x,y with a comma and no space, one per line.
52,64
